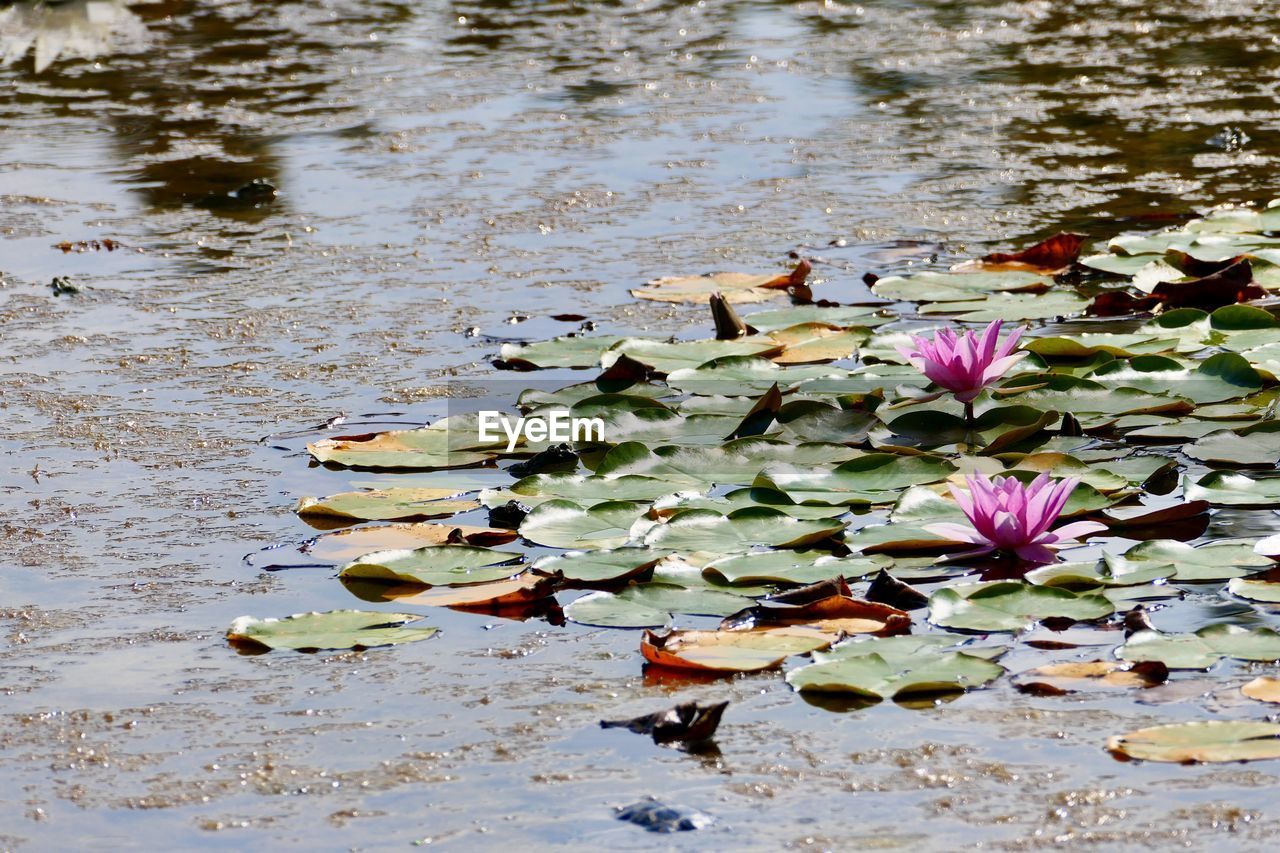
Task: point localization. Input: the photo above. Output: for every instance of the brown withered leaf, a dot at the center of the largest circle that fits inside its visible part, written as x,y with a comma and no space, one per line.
1182,521
1056,253
1120,303
524,588
1195,267
685,723
886,589
1058,679
734,287
833,614
345,545
730,651
1227,286
1263,688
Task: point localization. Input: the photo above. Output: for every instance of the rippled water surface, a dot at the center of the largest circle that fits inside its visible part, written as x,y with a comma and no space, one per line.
442,169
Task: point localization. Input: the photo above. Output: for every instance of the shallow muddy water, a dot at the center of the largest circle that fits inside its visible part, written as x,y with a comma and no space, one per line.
442,169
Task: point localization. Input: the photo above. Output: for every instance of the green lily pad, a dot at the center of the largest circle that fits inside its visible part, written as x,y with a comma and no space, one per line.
1011,306
1182,562
739,531
567,351
563,524
594,489
744,375
957,287
889,667
745,499
667,356
1084,576
736,462
1201,741
335,629
873,478
1079,396
662,426
1204,648
1225,376
1011,606
601,566
434,565
651,605
1267,592
791,567
843,315
1255,445
384,505
1087,344
1227,489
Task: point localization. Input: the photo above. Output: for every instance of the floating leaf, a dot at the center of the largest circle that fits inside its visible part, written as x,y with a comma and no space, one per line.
1255,590
1225,376
1088,344
434,565
562,524
735,287
1056,253
1182,562
791,567
1056,679
518,591
593,489
739,531
957,287
567,351
893,667
1203,648
1011,306
842,315
650,605
730,651
873,478
667,356
735,462
1227,489
1207,741
1257,445
810,343
1263,688
826,606
743,499
384,505
345,545
1011,606
335,629
445,444
745,375
601,566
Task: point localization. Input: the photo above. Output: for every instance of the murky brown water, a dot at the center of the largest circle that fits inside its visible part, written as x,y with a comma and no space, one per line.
440,167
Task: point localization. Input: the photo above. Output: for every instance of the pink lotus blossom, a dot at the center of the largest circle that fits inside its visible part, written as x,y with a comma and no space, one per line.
1010,516
964,364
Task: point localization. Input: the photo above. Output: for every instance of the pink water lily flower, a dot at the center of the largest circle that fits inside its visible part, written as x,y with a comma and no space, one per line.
964,364
1009,516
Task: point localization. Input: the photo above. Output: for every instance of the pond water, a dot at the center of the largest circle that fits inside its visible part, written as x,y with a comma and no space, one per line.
443,170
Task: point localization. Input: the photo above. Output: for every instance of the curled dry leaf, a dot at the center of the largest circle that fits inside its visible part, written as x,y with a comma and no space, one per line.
730,651
831,614
345,545
735,287
688,722
1058,679
1056,253
1263,688
522,589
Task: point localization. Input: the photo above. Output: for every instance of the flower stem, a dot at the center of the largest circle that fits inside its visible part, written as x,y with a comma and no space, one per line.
968,414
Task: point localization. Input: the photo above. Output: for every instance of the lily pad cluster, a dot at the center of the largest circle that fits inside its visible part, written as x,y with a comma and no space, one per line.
759,497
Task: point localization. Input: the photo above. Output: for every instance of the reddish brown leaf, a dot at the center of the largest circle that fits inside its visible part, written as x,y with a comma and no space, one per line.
1226,287
685,723
1058,252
